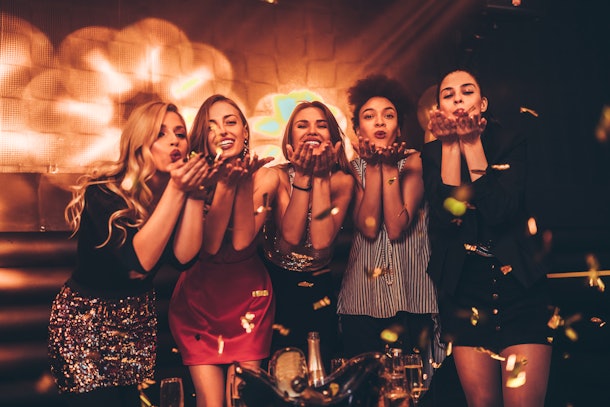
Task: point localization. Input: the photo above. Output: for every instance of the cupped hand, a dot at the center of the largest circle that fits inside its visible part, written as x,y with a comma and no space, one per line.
442,127
469,128
368,151
325,160
301,157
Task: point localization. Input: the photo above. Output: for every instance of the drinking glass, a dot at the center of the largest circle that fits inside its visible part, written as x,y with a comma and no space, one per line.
172,394
413,371
395,388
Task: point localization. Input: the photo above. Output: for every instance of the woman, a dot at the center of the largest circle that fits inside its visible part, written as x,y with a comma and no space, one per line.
313,196
222,308
493,296
385,288
131,216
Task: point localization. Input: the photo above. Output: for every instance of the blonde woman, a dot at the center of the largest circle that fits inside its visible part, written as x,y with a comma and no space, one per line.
130,216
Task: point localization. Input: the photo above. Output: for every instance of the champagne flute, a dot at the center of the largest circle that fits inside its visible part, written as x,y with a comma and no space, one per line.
395,389
172,394
413,370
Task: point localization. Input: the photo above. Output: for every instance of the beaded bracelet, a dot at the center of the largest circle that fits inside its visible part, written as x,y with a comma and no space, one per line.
306,189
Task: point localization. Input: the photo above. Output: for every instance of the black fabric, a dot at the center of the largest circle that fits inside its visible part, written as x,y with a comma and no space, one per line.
127,396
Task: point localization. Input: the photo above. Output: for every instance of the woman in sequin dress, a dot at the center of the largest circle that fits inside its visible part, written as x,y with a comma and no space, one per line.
222,308
493,294
385,286
314,193
131,216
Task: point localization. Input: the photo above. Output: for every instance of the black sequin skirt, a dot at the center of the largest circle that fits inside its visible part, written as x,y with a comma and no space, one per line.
96,343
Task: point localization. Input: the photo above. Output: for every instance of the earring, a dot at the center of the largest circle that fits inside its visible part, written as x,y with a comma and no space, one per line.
246,149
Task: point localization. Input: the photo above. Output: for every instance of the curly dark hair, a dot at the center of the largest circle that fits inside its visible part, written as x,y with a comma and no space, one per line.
382,86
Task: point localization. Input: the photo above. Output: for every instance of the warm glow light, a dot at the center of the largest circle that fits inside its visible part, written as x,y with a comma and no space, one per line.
116,83
185,86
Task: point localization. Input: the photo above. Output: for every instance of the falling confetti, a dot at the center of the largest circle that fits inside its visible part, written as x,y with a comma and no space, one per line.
391,180
500,167
305,284
391,334
281,329
326,213
474,316
260,293
506,269
370,222
517,374
455,207
532,227
527,110
221,345
593,275
246,322
324,302
598,321
491,354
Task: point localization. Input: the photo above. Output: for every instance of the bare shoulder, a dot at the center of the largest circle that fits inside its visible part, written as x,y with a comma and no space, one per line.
269,177
413,161
343,182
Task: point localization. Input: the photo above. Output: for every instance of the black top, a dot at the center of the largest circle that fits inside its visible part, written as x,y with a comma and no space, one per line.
496,216
104,272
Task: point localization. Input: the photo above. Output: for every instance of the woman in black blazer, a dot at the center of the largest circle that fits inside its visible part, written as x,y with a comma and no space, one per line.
493,295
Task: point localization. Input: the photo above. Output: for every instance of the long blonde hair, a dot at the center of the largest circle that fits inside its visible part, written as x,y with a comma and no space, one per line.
127,176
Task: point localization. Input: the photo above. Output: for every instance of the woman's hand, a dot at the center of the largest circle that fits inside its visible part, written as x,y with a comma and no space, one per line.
368,152
301,158
469,128
442,127
391,155
324,162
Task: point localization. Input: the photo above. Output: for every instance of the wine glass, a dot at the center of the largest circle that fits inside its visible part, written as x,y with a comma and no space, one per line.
172,394
413,371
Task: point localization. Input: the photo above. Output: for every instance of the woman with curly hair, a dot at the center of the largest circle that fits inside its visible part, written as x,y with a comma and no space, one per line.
385,288
130,216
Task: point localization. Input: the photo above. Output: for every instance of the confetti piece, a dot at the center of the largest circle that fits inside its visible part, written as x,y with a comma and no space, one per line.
305,284
324,302
598,321
515,365
175,350
281,329
246,322
370,222
321,271
532,228
474,317
221,345
506,269
192,154
455,207
449,349
218,153
326,213
500,167
260,293
334,389
391,334
391,180
527,110
491,354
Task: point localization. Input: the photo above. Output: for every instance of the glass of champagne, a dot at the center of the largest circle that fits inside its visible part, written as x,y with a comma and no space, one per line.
172,394
413,370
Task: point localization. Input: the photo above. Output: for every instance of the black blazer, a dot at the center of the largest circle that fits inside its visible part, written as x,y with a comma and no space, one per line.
496,212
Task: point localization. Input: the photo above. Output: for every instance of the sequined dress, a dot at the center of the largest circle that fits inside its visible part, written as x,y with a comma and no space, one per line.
222,308
103,324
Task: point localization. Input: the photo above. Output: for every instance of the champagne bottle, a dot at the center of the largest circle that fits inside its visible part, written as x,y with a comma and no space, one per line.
314,362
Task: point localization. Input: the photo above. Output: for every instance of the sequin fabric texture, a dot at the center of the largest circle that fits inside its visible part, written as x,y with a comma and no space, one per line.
96,343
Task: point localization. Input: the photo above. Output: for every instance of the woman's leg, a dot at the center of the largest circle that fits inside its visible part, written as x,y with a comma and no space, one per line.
532,392
233,381
209,382
480,377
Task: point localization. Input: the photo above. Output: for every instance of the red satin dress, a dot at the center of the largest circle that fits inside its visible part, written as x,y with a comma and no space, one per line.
222,308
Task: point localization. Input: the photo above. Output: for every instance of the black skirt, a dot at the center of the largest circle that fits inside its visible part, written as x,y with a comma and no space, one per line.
494,310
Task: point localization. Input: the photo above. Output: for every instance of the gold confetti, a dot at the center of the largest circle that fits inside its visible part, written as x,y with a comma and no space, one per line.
449,349
500,167
221,345
555,321
324,302
517,374
598,321
175,350
305,284
391,180
246,322
218,153
593,278
334,389
474,316
532,228
192,154
491,354
391,334
455,207
506,269
281,329
327,212
527,110
370,222
260,293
